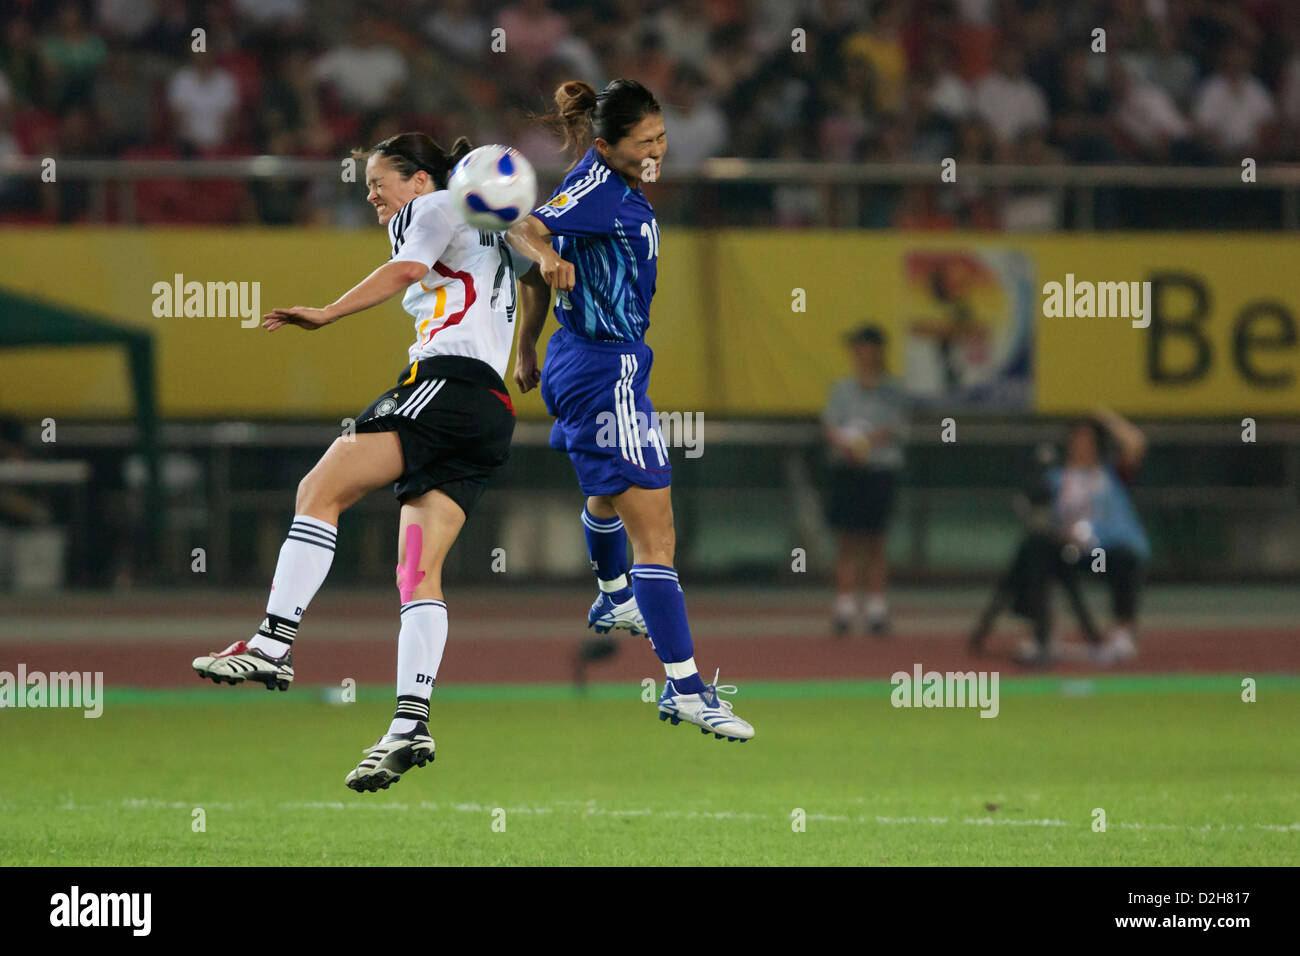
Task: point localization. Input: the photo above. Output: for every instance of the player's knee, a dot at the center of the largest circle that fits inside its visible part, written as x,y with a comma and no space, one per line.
306,494
319,498
601,506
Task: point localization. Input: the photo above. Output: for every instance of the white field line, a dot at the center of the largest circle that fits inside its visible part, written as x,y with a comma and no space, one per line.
587,809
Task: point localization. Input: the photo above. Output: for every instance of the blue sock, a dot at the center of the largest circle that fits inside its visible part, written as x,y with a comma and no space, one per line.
607,545
663,605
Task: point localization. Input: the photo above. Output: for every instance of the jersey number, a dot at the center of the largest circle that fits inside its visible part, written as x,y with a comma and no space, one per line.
651,232
505,277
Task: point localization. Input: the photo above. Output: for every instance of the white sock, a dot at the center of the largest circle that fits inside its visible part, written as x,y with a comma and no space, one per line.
877,607
305,559
846,607
420,644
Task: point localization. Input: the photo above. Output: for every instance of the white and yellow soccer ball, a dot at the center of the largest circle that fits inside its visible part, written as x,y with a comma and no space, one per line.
493,187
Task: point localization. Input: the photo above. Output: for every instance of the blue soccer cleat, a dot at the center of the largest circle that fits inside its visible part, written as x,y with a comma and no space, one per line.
606,616
706,711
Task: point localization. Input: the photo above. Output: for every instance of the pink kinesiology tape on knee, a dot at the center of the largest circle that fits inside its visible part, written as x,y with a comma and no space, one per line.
409,574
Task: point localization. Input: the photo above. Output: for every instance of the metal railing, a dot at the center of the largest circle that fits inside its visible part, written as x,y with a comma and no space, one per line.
842,184
749,498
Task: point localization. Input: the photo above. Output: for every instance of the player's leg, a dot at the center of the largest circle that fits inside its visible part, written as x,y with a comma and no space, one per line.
615,607
849,557
428,527
349,469
1123,577
878,493
875,606
647,514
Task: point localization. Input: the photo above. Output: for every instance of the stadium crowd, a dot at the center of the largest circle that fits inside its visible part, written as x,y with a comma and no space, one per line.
1021,81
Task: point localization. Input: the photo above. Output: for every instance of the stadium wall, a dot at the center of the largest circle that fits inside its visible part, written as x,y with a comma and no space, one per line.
745,322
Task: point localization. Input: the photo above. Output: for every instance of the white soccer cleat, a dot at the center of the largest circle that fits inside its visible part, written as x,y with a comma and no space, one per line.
605,616
239,662
706,711
391,757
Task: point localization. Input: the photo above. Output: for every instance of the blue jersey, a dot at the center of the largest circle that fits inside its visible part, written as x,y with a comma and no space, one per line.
1093,503
608,231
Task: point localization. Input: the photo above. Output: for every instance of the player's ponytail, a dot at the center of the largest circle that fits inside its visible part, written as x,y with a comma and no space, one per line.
582,115
410,152
575,102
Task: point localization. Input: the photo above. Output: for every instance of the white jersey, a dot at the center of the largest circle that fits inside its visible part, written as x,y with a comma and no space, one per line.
466,303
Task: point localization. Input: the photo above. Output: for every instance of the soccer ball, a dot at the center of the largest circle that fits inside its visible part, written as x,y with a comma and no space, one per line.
493,187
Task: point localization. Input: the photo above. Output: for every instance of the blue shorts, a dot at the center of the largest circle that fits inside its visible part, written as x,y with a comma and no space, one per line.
603,418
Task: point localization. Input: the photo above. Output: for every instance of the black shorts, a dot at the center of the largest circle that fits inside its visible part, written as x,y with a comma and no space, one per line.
859,499
455,421
1124,574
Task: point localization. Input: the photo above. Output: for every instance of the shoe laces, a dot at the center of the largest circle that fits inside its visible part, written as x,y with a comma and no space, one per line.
722,689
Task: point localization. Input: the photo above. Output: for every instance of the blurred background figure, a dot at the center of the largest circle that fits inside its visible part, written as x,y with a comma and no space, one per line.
865,424
1026,586
1093,511
1080,521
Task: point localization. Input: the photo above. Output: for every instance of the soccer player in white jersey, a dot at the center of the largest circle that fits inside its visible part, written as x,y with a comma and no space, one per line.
436,435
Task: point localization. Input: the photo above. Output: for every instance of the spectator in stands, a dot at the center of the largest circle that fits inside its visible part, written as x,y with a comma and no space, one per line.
20,61
1080,110
365,73
696,128
455,27
287,102
123,104
842,132
272,17
71,56
125,21
865,425
171,32
685,29
1164,65
1232,108
948,96
1032,208
1289,98
1008,101
69,201
204,100
532,32
881,48
1148,118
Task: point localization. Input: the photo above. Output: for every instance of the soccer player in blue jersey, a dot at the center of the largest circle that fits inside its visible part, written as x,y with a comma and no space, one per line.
596,242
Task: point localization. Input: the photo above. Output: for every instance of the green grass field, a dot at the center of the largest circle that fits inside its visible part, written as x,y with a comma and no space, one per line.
1187,773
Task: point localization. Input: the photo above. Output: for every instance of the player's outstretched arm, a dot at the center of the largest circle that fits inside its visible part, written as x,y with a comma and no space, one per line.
381,285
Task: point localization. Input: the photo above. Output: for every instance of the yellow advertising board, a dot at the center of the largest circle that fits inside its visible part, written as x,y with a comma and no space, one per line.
744,323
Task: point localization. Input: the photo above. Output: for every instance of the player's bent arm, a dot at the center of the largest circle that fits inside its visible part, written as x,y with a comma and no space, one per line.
534,303
532,239
1130,439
